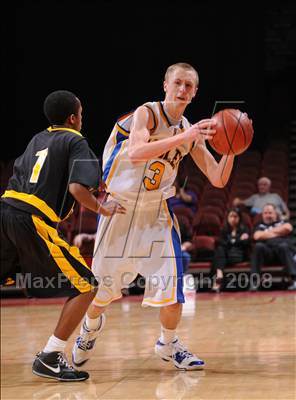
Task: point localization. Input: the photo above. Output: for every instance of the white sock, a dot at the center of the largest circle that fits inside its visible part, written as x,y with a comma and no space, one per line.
93,323
54,344
167,335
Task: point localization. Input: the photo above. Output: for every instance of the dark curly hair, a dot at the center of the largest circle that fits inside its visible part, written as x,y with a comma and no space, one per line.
59,105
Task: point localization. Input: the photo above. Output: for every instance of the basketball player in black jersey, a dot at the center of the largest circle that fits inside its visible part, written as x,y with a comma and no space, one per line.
57,169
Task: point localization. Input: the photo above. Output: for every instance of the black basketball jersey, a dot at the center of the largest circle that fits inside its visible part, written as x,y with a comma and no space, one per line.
53,159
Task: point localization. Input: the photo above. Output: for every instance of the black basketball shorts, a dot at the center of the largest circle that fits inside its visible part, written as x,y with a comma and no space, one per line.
38,258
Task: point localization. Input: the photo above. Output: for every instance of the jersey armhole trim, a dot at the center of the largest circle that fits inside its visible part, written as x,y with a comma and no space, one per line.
155,122
122,130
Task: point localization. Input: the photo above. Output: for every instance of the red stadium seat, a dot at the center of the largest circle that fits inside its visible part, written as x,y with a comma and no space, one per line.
207,224
253,156
187,224
248,171
204,242
213,201
85,222
183,210
214,193
257,219
247,220
203,248
220,212
241,193
280,170
245,185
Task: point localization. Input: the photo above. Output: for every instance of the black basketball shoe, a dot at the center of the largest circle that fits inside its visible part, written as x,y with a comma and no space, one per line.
54,365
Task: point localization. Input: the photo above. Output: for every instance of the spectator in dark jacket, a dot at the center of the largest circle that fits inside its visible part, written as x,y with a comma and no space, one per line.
232,246
273,245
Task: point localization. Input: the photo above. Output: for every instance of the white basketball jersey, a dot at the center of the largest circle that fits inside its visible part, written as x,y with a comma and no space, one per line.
154,178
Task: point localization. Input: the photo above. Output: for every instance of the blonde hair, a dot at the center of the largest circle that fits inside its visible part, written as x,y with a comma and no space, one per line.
185,66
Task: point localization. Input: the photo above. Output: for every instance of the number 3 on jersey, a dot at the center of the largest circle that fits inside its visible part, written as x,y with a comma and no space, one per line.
42,154
153,183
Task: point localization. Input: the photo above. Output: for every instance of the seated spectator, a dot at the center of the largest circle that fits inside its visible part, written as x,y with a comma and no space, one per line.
272,245
183,197
232,246
257,201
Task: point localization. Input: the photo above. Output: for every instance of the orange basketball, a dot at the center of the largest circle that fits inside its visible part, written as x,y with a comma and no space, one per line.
234,132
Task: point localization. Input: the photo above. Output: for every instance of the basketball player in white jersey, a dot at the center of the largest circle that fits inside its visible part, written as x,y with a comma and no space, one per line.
140,164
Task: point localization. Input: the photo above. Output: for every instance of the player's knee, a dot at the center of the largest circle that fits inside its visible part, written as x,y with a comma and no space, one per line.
173,307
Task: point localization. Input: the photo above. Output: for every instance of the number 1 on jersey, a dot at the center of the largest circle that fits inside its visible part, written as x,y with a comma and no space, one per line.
42,154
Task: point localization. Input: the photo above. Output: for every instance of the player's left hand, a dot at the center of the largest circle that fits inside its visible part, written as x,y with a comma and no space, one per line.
206,129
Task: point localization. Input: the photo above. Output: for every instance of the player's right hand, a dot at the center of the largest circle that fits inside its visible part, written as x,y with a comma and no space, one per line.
204,129
111,207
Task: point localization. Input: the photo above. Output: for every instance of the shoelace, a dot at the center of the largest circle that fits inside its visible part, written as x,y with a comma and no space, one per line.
83,342
62,359
180,348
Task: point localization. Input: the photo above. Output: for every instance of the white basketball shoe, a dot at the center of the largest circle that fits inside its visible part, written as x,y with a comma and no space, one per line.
85,343
179,355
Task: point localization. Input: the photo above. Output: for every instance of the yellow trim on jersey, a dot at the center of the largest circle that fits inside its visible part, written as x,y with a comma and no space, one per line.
173,296
105,303
50,129
54,243
34,201
170,222
114,164
114,133
122,131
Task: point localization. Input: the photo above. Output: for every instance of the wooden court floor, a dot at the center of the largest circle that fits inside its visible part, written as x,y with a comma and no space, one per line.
246,339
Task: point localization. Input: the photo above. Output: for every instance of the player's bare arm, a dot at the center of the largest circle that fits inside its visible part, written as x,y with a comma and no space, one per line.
88,200
140,149
218,173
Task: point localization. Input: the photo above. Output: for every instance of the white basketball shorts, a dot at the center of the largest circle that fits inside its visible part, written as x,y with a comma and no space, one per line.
145,241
